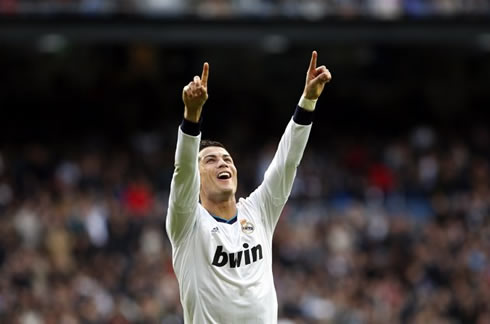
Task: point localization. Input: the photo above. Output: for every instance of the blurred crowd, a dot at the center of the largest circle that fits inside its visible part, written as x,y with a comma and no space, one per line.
385,9
378,230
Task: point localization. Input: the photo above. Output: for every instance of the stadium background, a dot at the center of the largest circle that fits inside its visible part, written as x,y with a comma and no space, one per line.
388,221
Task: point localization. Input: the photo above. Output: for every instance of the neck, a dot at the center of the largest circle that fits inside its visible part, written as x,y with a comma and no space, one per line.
225,209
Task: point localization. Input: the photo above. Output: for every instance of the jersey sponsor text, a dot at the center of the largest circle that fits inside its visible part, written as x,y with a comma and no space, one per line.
221,258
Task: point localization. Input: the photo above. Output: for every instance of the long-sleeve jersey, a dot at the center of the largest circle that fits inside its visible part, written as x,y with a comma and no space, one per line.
224,269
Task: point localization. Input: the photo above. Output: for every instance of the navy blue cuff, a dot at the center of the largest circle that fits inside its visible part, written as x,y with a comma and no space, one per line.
191,128
302,116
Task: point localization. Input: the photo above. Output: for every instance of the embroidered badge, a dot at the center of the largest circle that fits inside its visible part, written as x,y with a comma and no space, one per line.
247,227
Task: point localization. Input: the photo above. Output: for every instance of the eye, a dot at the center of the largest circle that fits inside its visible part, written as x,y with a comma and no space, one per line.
210,160
228,160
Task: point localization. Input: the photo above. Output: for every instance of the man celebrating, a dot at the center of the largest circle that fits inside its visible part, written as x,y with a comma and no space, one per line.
222,250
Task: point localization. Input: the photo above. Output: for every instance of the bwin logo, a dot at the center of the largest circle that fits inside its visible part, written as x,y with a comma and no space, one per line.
221,258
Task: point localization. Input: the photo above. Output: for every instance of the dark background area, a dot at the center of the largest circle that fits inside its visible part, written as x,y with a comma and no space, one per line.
74,88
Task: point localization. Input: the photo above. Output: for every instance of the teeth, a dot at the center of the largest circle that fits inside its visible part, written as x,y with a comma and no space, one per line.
226,174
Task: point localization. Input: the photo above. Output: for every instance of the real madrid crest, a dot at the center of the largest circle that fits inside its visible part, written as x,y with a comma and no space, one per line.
247,227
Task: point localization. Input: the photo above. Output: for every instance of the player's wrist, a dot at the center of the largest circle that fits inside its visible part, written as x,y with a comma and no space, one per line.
190,127
192,115
306,103
302,116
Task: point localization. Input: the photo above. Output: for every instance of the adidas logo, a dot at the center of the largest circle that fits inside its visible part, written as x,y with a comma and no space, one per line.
215,230
221,258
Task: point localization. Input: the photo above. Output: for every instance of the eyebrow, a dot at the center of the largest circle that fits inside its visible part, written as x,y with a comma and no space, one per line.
214,156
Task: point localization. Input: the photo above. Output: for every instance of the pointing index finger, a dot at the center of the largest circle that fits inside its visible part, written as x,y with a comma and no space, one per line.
205,74
313,61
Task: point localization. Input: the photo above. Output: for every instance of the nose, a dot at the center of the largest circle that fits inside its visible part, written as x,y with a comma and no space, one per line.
221,163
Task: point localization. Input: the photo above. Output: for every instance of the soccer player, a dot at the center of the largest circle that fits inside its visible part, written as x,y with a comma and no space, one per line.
222,249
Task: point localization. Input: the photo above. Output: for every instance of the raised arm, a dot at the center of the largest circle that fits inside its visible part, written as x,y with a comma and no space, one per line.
184,189
274,191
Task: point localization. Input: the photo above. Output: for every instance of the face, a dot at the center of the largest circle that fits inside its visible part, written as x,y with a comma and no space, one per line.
218,173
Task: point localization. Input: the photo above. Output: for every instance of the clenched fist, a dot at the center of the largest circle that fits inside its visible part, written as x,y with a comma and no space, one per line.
195,95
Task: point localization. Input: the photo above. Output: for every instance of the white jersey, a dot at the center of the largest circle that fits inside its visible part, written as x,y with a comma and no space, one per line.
224,269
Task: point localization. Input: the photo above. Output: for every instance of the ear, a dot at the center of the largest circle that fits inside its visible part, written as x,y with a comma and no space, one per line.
200,187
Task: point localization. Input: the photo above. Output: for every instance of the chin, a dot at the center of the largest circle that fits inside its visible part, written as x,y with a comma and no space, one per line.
227,191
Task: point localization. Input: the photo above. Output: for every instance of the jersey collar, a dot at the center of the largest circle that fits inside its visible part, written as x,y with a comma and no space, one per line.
227,221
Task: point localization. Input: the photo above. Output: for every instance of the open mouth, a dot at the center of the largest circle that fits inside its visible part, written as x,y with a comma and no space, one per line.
224,175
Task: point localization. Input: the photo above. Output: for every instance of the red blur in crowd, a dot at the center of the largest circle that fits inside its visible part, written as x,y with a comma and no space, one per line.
138,198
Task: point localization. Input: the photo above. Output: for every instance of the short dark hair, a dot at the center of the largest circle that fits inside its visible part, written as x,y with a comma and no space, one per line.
208,143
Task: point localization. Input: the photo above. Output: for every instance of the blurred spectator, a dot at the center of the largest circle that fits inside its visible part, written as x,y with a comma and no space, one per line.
310,9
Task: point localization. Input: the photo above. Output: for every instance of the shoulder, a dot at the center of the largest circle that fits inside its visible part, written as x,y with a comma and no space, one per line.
247,203
250,208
